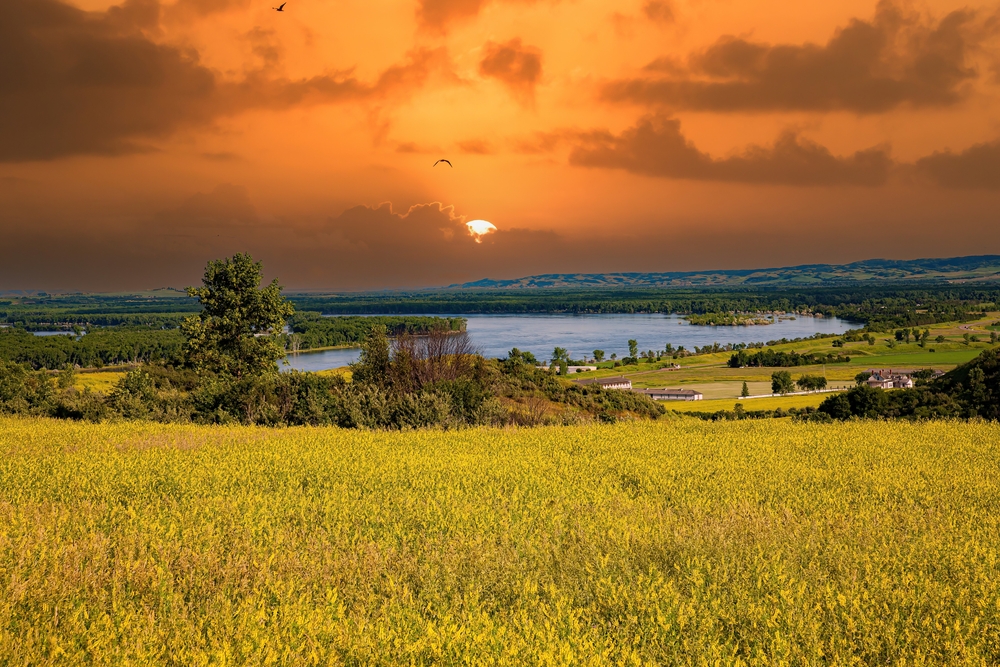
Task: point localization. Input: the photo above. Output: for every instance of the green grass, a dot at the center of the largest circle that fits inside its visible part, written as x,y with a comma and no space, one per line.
677,542
920,359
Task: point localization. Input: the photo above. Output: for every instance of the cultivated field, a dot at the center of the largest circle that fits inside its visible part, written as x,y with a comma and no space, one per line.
675,542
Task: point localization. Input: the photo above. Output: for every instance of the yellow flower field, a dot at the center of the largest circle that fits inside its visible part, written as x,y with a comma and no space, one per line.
676,542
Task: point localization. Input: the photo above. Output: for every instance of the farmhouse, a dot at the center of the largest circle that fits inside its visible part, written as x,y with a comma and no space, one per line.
609,383
894,379
671,394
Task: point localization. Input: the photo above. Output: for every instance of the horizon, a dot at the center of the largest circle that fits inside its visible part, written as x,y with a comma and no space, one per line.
322,290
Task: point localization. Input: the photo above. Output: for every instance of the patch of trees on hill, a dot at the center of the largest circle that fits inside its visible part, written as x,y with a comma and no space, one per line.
311,330
971,390
102,347
781,359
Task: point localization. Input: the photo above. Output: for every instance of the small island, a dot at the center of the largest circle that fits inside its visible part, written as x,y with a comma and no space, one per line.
729,319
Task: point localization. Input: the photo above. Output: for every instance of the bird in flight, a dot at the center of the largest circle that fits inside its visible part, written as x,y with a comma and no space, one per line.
281,8
447,162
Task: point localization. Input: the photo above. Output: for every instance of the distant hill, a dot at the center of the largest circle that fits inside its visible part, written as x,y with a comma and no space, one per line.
979,268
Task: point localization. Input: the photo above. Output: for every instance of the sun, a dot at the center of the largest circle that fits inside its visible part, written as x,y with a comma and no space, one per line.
480,228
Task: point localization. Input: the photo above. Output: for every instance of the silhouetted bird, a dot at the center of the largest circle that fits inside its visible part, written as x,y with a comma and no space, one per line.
447,162
281,8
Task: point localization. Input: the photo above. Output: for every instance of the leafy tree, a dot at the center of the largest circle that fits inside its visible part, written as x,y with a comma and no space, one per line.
66,377
599,355
560,353
375,364
862,377
745,391
633,348
231,335
811,382
782,383
940,339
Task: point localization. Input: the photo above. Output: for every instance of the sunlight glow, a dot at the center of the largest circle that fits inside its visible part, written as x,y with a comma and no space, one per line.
480,228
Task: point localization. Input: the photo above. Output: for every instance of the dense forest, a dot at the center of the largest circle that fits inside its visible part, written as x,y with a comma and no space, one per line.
100,347
313,330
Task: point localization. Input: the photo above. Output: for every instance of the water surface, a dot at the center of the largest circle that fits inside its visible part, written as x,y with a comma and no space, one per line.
495,335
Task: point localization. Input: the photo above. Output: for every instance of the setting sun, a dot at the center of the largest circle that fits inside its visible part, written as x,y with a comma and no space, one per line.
480,228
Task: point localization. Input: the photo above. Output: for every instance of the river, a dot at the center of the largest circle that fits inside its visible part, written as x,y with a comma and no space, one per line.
495,335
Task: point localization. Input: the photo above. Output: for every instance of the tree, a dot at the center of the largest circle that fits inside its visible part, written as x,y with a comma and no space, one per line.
375,365
598,356
862,377
633,348
811,382
559,354
939,339
233,332
745,391
782,383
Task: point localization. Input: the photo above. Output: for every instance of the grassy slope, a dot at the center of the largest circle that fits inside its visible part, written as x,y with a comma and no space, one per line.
677,542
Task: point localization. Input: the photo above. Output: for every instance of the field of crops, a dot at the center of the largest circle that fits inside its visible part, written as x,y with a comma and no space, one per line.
672,542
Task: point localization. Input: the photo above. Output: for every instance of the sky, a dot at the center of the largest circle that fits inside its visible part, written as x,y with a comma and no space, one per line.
139,140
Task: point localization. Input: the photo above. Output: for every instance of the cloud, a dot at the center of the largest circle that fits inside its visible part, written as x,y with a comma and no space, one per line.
74,82
895,59
476,147
186,9
659,11
656,147
517,66
977,167
227,204
438,14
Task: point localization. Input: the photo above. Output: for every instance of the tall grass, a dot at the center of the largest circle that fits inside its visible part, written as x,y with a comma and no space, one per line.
681,542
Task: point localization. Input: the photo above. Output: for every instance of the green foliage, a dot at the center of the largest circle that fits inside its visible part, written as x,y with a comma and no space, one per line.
811,382
25,392
235,331
312,330
782,383
633,348
373,367
599,355
775,359
101,347
862,377
745,391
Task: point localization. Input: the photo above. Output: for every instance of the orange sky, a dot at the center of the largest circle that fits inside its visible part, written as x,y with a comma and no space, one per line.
139,140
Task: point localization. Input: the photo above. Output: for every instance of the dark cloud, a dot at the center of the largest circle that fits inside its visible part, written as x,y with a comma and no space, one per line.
476,147
227,204
75,82
977,167
659,11
378,246
437,14
895,59
186,9
656,147
517,66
